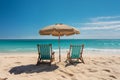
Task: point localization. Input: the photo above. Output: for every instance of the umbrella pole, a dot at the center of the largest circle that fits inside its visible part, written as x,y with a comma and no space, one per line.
59,50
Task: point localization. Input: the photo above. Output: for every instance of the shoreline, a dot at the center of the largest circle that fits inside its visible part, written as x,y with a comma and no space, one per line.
65,51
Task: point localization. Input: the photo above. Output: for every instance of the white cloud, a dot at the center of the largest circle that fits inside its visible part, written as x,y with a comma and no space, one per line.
99,23
104,18
118,29
100,28
103,23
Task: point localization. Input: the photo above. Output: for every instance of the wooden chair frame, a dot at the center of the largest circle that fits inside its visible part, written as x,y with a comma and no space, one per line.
52,55
80,58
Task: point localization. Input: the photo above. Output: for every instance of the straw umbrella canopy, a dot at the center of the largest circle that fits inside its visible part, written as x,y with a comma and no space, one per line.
59,30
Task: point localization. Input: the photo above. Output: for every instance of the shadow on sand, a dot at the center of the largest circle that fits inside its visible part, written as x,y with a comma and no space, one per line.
74,63
32,68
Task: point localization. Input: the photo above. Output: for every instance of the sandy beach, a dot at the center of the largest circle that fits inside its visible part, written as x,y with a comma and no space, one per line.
88,27
23,67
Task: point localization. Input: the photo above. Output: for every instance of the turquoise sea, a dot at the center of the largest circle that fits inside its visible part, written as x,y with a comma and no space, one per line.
30,45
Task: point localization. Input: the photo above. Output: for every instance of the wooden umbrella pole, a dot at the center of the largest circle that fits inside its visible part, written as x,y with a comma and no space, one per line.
59,49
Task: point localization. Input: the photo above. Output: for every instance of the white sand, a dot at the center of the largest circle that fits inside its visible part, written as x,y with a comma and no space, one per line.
96,67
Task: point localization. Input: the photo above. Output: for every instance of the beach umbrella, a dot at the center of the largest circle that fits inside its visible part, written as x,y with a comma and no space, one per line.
59,30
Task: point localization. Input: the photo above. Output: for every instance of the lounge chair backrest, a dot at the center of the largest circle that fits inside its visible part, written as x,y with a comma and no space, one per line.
45,51
75,51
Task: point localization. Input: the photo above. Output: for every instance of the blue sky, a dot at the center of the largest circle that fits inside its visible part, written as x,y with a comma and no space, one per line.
96,19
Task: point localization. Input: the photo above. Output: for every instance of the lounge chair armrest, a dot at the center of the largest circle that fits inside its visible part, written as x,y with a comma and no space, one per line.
53,53
53,56
68,54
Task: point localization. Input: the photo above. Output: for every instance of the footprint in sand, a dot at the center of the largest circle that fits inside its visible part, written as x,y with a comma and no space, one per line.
112,76
109,62
82,72
63,76
73,78
66,73
102,79
10,57
92,70
119,57
17,62
94,63
107,70
5,69
3,78
104,63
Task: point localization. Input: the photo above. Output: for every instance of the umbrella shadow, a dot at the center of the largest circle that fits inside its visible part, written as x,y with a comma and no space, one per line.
32,69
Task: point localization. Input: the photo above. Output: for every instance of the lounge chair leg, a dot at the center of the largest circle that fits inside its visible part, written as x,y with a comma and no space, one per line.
78,60
50,63
70,61
53,59
68,57
66,60
37,63
82,60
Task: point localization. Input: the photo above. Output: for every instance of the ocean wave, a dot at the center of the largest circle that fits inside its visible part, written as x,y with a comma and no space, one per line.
19,50
90,49
105,50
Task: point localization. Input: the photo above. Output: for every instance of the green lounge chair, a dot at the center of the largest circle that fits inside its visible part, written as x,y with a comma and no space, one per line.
75,52
45,53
